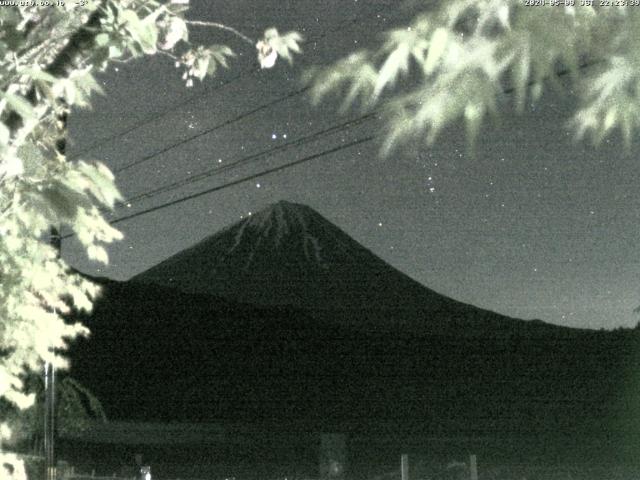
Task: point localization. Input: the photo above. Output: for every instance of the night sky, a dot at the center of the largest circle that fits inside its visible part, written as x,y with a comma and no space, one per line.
534,225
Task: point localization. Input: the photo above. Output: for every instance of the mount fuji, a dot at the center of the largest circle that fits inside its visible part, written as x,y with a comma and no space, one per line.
290,255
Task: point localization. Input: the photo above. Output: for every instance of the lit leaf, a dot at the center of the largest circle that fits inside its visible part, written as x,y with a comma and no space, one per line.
38,74
437,47
273,45
521,70
102,39
4,134
175,30
220,53
97,253
19,105
396,63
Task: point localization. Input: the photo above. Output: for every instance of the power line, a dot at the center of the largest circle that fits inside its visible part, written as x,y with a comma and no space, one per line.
266,106
207,131
157,116
250,158
259,174
245,179
172,109
240,180
211,130
281,167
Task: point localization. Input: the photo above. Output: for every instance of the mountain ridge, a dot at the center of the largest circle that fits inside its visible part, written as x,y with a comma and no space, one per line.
288,249
289,255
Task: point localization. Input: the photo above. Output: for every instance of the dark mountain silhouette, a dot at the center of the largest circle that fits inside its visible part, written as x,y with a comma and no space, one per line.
283,318
288,254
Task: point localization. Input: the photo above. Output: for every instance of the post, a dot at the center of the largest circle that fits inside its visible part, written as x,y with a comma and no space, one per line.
333,456
50,393
404,466
49,421
473,467
46,421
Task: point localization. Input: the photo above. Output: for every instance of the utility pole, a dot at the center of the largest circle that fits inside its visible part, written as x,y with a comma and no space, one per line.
50,392
55,240
49,420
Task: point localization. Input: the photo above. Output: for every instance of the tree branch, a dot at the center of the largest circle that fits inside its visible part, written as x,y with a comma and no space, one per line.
81,41
168,54
221,26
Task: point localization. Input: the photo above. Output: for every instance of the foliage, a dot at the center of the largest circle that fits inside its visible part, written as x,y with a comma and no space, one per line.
76,409
274,45
48,59
455,62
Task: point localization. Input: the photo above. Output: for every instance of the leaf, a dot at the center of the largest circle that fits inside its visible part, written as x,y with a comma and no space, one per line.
437,47
4,134
62,200
98,180
283,45
33,159
536,91
473,113
86,85
97,253
397,62
609,119
201,65
38,74
149,39
362,87
144,33
521,71
219,55
102,39
131,20
19,105
115,51
503,15
11,166
174,31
